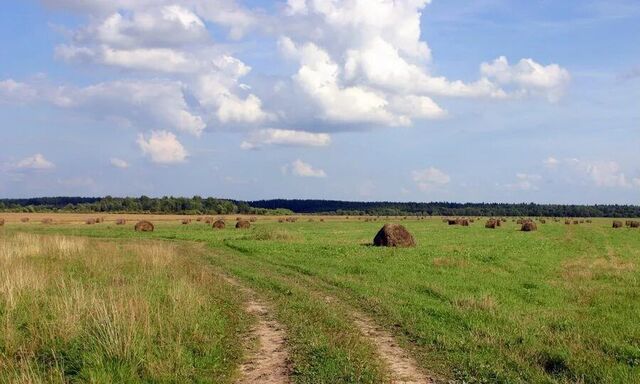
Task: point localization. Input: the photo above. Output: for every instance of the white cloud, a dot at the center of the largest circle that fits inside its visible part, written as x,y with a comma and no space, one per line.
601,173
119,163
15,92
37,161
302,169
284,137
551,162
430,178
163,148
528,76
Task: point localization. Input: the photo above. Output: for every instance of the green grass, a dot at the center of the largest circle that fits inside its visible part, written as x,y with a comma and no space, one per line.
471,304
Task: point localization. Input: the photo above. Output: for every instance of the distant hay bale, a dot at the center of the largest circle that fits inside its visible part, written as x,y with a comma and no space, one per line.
281,220
576,222
144,226
635,224
121,221
492,224
243,224
589,221
627,223
1,222
581,221
311,220
452,221
199,219
322,220
253,219
219,224
617,224
47,221
238,218
208,220
24,220
394,235
186,221
463,222
567,222
529,226
90,221
543,221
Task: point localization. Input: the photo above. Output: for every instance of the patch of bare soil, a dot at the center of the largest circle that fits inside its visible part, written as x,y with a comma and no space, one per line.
402,367
269,362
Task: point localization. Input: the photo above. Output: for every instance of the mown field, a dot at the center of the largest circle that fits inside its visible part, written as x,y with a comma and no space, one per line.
475,305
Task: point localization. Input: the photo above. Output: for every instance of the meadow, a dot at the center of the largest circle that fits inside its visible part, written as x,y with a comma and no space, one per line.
100,303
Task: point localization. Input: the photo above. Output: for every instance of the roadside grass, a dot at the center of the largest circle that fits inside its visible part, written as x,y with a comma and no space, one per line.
475,305
83,310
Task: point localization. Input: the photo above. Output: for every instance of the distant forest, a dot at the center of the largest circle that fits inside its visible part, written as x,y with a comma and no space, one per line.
199,205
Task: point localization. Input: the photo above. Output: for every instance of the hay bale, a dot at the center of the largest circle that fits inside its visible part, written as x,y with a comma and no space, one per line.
186,221
576,222
394,235
47,221
492,224
567,222
253,219
635,224
627,223
452,221
322,220
121,221
1,222
208,220
463,222
24,220
90,221
543,221
219,224
281,220
144,226
589,221
529,226
617,224
243,224
199,219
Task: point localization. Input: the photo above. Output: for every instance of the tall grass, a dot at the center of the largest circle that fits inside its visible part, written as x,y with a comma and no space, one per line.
73,309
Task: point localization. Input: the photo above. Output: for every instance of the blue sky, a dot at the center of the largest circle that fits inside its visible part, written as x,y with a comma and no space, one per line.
405,100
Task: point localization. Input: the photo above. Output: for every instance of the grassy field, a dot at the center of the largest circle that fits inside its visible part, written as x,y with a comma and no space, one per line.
470,304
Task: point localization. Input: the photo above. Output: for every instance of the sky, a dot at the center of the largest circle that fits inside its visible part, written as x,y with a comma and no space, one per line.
394,100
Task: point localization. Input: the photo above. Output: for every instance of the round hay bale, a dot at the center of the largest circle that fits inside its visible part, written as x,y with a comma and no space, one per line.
243,224
492,224
1,222
144,226
90,221
24,220
219,224
253,219
529,226
463,222
121,221
567,222
627,223
452,222
281,220
322,220
543,221
394,235
635,224
186,221
617,224
208,220
576,222
47,221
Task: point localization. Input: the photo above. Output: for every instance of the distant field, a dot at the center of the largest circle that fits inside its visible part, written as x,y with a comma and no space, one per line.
468,304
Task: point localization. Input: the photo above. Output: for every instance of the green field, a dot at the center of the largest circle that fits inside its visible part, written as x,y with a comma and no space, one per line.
470,304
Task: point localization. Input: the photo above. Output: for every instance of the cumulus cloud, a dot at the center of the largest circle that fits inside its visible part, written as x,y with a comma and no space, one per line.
284,137
301,169
528,76
37,161
601,173
162,147
430,178
118,163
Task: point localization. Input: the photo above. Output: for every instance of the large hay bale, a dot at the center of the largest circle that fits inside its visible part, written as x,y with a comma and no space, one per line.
121,221
24,220
617,224
394,235
492,224
529,226
144,226
243,224
219,224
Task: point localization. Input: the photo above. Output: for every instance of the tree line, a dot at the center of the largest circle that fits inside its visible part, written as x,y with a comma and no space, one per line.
199,205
